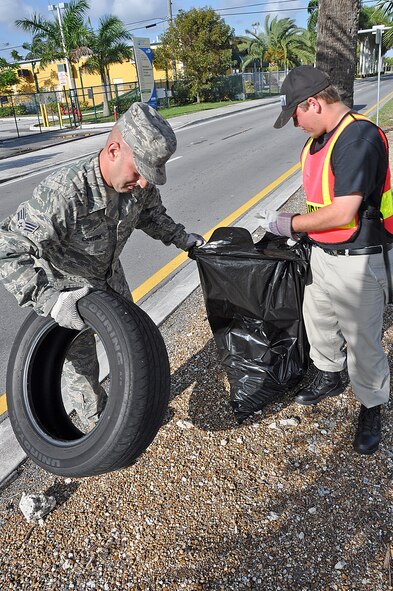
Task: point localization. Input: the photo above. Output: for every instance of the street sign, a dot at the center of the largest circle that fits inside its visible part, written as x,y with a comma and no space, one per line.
62,76
144,68
377,30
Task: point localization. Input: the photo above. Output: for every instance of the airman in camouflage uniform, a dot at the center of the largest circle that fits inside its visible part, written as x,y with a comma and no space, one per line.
71,233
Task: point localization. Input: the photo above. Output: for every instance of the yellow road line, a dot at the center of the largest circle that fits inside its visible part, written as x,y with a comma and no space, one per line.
376,104
167,269
3,404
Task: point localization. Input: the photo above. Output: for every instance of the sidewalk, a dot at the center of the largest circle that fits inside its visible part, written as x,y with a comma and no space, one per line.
169,295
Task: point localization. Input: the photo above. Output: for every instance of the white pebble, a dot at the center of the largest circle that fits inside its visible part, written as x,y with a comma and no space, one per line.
67,564
35,506
340,565
184,424
292,422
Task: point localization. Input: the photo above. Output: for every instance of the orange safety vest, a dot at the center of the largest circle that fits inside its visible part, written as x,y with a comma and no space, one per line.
318,182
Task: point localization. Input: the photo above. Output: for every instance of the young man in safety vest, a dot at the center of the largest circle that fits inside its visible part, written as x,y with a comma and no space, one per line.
349,220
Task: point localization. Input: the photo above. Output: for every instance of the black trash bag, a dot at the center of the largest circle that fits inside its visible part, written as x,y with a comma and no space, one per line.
253,295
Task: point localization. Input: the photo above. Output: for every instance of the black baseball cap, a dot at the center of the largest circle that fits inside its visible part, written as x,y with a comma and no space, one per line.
299,85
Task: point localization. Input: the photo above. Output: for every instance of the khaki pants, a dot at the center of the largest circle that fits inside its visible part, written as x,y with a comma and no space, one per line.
344,305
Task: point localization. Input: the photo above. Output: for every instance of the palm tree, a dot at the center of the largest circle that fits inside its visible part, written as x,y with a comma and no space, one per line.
312,10
108,46
382,15
312,22
287,45
370,16
254,48
47,41
338,25
386,6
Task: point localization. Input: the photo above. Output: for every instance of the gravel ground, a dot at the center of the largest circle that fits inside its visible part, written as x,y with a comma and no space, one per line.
269,505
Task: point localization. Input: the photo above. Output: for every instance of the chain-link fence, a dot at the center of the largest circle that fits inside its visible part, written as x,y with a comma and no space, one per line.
26,114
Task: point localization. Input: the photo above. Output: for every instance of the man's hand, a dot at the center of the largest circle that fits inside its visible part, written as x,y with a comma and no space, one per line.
277,223
194,240
65,311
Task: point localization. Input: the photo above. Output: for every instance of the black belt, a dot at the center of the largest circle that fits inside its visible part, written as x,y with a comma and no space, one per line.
355,251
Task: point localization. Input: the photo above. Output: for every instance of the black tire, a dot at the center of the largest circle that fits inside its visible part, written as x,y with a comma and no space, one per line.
137,401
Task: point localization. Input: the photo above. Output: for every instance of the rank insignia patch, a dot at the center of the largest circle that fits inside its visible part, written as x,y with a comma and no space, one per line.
25,225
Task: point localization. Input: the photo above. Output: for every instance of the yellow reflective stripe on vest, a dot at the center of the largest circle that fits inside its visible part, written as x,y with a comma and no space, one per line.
387,204
305,152
325,174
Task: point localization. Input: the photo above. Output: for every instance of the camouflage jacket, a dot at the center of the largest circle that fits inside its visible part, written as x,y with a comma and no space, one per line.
71,233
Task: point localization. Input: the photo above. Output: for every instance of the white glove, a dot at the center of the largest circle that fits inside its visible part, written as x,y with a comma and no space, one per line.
277,223
65,311
194,240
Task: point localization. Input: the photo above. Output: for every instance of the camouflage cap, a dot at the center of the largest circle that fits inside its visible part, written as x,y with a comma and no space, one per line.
151,138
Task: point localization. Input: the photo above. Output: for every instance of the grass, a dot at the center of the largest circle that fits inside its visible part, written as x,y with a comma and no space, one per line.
385,116
168,112
193,108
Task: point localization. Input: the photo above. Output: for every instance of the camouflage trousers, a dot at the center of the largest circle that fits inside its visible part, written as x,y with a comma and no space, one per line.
80,380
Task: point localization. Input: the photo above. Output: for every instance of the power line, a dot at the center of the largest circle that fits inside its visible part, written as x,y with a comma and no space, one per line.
148,26
272,2
8,48
145,20
268,11
258,4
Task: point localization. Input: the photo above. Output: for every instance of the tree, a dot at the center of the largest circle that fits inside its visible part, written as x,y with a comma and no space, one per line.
338,24
312,20
108,46
200,40
381,14
254,49
369,50
287,45
47,44
8,76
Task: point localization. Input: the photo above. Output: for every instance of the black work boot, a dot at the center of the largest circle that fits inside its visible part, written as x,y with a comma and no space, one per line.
368,434
324,384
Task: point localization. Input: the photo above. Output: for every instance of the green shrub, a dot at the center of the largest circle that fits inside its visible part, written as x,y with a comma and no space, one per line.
223,88
181,93
8,111
124,101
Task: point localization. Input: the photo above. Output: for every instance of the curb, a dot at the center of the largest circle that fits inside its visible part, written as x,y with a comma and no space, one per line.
221,115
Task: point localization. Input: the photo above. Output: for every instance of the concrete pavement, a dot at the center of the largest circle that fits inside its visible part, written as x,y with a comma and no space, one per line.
161,302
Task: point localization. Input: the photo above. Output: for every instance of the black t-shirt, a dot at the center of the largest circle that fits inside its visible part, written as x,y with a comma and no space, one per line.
359,162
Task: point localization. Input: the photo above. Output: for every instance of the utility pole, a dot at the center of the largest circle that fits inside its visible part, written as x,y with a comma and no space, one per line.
170,19
57,7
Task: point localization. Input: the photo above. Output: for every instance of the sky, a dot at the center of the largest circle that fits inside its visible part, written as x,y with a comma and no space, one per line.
139,14
136,14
